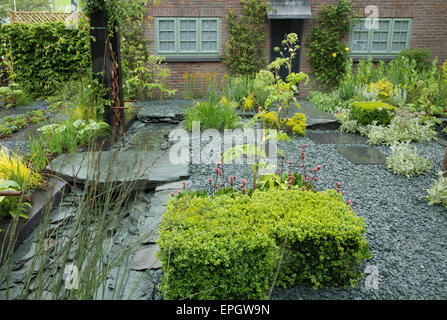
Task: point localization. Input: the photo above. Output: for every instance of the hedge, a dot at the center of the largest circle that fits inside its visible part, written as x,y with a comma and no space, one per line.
46,54
366,112
229,247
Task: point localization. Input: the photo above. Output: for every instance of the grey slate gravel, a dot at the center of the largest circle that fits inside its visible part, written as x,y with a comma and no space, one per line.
407,237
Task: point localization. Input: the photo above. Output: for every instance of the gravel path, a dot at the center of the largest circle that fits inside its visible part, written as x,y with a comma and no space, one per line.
407,237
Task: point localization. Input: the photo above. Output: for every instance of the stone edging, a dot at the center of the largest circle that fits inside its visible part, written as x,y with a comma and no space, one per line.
41,201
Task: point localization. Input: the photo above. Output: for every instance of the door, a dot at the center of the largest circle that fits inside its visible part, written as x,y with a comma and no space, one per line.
279,28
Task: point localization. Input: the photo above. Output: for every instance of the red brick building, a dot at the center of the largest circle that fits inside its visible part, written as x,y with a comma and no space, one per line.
192,34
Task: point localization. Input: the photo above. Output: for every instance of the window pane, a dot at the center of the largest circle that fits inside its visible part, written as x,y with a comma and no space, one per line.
384,25
170,26
184,25
188,35
167,46
403,36
209,35
187,25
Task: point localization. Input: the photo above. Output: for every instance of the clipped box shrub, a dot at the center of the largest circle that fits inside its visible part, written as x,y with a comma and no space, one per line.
297,125
229,247
366,112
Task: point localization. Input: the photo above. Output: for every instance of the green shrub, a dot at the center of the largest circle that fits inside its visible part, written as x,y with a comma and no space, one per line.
46,54
211,116
437,194
366,112
420,56
297,125
245,50
406,160
326,50
329,102
347,124
229,247
401,129
271,120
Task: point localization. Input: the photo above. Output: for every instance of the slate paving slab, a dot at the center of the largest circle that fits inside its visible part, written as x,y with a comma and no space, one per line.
362,155
337,138
171,111
143,170
145,259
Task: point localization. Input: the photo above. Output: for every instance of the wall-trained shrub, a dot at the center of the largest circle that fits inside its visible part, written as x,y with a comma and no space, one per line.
230,246
366,112
45,54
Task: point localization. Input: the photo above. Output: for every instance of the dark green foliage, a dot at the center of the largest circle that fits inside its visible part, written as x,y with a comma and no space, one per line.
9,125
245,46
229,247
366,112
327,52
46,54
421,56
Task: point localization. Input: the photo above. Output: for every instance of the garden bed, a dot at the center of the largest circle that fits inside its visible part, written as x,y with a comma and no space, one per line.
406,236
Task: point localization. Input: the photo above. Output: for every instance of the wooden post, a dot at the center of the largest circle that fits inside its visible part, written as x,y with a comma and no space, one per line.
444,164
105,71
11,16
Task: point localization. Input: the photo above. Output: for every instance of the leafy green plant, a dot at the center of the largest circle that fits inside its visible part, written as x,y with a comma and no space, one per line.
230,247
12,205
366,112
420,56
327,53
366,93
329,102
46,54
211,115
297,125
401,129
67,136
437,194
13,168
347,124
282,92
406,160
147,78
86,97
245,46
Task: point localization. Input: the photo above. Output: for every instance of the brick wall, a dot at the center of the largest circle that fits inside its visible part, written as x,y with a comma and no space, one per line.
428,30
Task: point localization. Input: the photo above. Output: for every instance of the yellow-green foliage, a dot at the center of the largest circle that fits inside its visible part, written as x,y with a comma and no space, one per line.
384,88
271,120
297,125
229,247
366,112
14,169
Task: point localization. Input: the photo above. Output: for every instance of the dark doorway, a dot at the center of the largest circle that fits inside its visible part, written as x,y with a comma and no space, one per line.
278,30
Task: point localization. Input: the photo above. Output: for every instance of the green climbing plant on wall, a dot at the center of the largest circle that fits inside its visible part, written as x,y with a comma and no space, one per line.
327,52
245,46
